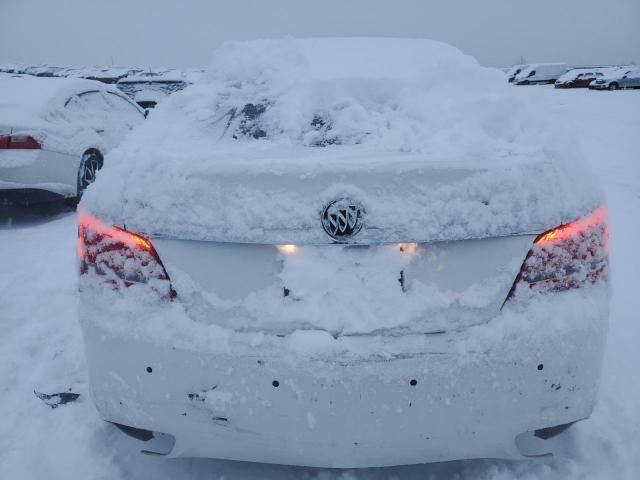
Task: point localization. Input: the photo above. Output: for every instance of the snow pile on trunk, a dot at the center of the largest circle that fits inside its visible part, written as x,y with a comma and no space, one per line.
299,108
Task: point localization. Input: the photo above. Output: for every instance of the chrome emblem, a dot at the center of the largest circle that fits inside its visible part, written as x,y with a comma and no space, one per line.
342,219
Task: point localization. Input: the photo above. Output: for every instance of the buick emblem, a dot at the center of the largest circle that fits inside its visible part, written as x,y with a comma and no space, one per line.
342,219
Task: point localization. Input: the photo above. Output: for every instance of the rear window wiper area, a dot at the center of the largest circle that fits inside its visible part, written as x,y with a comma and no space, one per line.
248,122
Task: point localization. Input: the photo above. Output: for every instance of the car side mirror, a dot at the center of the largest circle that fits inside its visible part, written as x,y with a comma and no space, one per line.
146,113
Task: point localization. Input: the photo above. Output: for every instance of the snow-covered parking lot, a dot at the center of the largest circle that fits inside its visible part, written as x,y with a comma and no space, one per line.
41,345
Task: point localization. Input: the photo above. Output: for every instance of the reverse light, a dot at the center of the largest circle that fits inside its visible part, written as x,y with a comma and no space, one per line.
569,256
120,256
287,249
408,249
19,142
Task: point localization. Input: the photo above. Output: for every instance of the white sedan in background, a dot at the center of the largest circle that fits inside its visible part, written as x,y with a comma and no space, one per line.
55,132
344,253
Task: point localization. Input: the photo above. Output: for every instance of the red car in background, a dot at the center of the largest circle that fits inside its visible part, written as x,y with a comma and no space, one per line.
580,78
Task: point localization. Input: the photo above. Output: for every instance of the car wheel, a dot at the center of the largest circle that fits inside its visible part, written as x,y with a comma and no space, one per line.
613,86
90,163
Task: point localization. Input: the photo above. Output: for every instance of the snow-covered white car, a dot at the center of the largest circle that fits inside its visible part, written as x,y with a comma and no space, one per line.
331,253
54,133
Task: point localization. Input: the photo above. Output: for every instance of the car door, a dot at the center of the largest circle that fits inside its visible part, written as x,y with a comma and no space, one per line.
626,80
87,112
586,79
542,74
122,116
577,82
634,79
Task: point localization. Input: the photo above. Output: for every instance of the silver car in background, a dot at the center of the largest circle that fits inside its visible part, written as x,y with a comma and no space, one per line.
621,78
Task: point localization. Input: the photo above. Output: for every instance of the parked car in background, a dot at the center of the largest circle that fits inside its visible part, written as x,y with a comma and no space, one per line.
13,68
581,77
540,74
148,88
108,75
55,132
301,251
619,79
46,70
514,71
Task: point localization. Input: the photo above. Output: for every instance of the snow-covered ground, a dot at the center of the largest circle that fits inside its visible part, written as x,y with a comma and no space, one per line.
41,346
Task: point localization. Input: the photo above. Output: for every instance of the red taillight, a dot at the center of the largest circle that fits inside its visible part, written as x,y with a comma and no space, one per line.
19,142
569,256
120,256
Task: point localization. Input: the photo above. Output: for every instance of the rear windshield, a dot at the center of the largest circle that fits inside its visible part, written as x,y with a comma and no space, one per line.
248,122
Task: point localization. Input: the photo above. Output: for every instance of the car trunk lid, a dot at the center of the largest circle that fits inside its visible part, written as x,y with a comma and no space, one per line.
439,248
345,289
402,197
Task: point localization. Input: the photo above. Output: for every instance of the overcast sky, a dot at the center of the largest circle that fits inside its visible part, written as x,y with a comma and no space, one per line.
185,32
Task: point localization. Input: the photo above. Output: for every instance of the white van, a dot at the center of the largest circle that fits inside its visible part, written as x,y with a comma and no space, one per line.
541,73
513,72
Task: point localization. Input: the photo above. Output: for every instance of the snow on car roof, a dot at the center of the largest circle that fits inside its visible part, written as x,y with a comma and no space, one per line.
617,72
529,68
303,107
337,58
317,92
573,74
27,98
515,68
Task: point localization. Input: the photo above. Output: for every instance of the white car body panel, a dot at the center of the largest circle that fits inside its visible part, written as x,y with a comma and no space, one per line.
39,169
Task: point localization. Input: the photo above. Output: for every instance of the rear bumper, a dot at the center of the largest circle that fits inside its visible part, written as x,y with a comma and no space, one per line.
463,395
